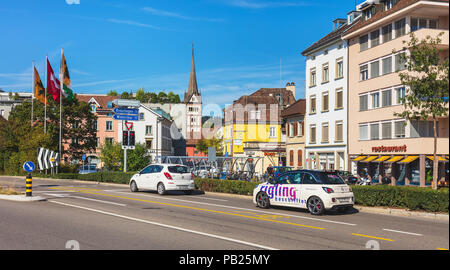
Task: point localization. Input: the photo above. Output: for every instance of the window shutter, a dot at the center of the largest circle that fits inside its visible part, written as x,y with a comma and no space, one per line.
291,158
299,158
295,128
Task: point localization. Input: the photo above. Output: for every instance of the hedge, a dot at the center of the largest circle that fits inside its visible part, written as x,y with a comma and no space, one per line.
225,186
109,177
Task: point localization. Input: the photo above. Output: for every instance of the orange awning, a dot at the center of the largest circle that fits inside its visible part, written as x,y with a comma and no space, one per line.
359,158
439,158
369,159
409,159
382,158
395,159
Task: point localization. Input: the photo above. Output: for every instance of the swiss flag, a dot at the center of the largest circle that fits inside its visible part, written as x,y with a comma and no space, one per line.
53,84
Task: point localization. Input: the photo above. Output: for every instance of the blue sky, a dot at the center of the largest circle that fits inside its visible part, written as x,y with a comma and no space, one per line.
125,45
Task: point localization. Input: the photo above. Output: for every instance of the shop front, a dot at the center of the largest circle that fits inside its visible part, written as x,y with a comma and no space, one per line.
389,164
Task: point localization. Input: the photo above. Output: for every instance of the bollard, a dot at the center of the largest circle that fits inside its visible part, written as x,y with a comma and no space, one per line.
29,185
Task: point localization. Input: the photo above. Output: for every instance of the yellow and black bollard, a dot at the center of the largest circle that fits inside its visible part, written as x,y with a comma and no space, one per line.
29,185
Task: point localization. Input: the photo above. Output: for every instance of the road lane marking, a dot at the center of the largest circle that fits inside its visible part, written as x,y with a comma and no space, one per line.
374,237
442,248
389,230
205,210
95,200
205,198
168,226
246,209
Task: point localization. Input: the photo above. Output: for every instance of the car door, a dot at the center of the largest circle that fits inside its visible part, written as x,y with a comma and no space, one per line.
309,186
143,181
155,177
287,189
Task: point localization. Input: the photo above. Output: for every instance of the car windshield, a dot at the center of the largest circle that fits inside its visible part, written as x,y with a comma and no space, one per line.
284,169
178,169
89,167
328,178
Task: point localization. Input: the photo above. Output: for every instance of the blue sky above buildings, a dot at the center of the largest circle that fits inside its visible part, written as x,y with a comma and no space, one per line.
125,45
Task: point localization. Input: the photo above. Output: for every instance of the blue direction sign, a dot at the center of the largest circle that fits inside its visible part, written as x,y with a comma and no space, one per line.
126,111
125,117
29,166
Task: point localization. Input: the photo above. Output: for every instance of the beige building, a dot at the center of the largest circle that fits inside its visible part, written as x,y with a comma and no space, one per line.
380,143
294,117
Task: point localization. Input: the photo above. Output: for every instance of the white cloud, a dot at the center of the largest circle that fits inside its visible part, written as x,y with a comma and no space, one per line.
164,13
266,4
134,23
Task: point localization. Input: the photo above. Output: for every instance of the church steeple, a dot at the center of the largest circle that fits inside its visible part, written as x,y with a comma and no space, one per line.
192,88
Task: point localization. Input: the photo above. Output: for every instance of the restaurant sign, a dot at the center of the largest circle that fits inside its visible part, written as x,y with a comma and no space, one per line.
383,149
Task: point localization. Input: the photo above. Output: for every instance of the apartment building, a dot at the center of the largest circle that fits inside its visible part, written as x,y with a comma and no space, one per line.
380,143
253,126
294,118
326,99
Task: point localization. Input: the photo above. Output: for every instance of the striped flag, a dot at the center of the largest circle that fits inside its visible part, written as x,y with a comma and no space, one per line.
66,87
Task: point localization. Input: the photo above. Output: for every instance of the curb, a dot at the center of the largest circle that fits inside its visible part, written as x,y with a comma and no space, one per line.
22,198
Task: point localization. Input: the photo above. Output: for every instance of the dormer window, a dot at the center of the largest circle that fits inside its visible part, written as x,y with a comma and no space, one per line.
109,104
388,4
93,108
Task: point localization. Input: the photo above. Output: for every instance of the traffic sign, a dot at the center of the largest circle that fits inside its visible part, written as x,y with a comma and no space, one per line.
126,111
129,125
83,157
126,117
29,166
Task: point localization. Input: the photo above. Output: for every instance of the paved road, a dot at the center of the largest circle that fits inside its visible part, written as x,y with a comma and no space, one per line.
110,217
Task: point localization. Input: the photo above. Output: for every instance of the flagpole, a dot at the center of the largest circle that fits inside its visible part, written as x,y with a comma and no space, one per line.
32,93
45,110
61,77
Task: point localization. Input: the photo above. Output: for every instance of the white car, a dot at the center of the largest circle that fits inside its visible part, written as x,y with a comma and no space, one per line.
162,178
316,191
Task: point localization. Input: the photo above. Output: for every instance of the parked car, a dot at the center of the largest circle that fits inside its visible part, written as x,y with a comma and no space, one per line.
89,168
348,177
162,178
314,190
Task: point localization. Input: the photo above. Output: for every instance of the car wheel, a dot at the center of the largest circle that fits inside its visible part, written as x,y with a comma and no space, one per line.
133,186
315,206
187,192
161,189
262,200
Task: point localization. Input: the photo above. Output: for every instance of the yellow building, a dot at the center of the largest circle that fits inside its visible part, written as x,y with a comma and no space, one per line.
253,127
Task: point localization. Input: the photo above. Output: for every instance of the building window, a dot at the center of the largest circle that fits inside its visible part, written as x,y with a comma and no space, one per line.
325,73
141,117
339,68
93,108
339,131
299,158
363,72
399,129
375,69
300,130
419,23
375,38
109,140
400,28
400,93
400,62
95,125
339,99
312,77
363,104
363,132
312,133
388,4
375,100
375,131
312,108
109,125
291,158
255,115
386,32
386,97
386,130
272,132
324,132
97,142
148,130
387,65
422,129
325,102
364,42
148,144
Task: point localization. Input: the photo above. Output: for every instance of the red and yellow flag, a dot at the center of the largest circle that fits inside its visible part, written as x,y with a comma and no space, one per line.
39,91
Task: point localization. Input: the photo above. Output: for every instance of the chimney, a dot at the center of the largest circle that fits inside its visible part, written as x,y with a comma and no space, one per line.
291,87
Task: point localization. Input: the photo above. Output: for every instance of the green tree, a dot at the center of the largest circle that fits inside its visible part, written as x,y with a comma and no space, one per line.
125,95
162,97
137,158
427,85
112,93
111,154
141,95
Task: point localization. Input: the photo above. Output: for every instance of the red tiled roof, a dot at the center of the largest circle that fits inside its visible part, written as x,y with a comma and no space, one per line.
298,108
102,100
